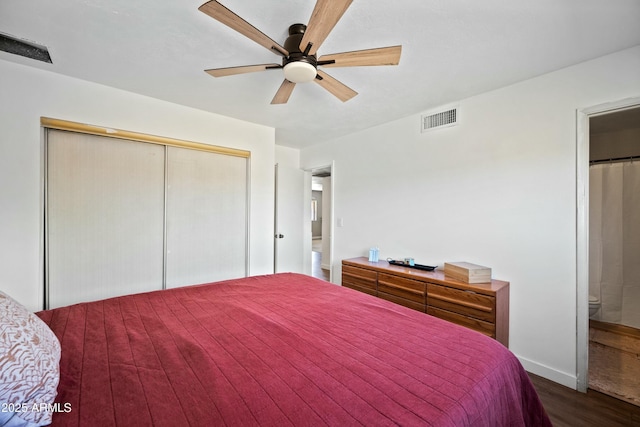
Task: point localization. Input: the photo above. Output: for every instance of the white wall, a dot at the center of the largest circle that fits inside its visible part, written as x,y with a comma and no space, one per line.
27,93
286,156
498,190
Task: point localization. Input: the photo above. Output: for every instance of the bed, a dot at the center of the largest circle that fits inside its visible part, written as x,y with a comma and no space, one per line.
277,350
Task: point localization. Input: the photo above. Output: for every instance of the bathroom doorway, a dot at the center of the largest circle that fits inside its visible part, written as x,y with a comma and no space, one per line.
614,216
613,248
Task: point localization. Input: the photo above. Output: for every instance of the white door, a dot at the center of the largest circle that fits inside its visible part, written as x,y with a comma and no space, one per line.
104,213
290,222
206,234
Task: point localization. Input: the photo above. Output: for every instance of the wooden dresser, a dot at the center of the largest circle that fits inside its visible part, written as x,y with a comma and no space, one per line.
483,307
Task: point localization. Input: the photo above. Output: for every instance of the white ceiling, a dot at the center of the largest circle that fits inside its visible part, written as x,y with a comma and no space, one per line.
452,49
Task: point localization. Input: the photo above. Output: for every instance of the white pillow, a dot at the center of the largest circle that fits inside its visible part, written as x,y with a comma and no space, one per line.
29,366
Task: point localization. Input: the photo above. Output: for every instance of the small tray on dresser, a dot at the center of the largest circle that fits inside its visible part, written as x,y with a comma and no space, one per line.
416,266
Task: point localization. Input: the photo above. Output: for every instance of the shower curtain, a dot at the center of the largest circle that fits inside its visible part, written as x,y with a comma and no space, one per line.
614,241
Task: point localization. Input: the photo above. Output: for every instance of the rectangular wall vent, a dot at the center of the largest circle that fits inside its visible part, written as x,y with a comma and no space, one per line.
440,119
24,48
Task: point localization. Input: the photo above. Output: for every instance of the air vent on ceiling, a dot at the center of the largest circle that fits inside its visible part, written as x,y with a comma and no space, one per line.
440,119
24,48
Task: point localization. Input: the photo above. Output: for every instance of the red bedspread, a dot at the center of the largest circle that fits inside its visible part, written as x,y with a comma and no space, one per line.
280,350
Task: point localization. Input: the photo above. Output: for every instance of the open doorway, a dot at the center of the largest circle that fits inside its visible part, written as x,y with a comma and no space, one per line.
605,142
321,230
614,250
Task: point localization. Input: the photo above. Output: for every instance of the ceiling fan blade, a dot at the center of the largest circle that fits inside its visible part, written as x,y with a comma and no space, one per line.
231,71
338,89
325,16
379,56
233,21
283,94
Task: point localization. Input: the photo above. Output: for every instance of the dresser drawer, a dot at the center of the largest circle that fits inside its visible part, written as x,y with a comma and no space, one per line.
465,303
359,279
483,327
412,290
403,301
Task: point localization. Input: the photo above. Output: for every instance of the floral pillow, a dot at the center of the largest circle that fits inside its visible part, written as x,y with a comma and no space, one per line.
29,366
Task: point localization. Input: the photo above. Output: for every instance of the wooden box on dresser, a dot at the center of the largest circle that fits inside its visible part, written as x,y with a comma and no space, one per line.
483,307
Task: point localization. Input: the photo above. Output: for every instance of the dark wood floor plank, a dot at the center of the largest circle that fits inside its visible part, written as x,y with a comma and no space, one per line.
569,408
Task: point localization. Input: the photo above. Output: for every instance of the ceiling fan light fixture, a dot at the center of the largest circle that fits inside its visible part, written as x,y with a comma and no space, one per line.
299,72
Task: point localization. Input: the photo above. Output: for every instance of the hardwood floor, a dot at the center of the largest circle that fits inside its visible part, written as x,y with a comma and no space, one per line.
569,408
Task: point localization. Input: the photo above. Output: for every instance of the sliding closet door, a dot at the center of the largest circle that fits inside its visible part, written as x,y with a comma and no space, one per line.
105,217
206,217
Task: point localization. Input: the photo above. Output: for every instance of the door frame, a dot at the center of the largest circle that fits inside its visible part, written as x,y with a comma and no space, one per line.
582,231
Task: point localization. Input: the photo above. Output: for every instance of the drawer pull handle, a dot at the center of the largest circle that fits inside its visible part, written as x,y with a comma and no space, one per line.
356,276
412,291
466,304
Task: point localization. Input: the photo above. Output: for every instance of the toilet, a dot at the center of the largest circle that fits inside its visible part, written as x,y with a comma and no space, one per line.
594,305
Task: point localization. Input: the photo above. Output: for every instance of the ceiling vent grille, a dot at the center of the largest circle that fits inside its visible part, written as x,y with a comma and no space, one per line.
441,119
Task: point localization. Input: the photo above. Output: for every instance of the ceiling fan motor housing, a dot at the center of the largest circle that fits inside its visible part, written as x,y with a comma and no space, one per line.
299,68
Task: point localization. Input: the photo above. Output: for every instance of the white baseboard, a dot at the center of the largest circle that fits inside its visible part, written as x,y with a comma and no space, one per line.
325,266
563,378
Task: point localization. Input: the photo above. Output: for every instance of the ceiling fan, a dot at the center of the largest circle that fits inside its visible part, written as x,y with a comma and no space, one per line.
300,61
